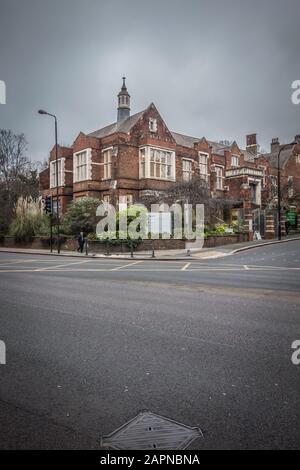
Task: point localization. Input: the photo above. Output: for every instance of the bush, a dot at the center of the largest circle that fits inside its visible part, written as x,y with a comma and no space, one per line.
81,216
22,229
29,220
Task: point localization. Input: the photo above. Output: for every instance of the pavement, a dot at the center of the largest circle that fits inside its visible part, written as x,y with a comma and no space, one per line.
91,342
202,253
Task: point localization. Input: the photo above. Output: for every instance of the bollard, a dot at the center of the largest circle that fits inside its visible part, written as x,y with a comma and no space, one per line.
153,253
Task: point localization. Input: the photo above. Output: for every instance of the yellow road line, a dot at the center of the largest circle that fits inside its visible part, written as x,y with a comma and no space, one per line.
126,265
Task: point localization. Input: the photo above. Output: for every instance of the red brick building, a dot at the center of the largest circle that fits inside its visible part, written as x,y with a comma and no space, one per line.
138,154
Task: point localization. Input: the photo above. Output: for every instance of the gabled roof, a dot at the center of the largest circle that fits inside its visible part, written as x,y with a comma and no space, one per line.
123,126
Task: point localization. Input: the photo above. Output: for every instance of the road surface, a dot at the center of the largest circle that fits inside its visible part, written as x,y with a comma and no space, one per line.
92,342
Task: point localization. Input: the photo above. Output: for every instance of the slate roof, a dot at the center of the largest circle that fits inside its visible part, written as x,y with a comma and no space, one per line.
181,139
185,140
284,156
123,126
189,141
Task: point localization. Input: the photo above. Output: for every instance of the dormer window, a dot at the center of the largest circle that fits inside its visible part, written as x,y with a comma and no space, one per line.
234,160
152,124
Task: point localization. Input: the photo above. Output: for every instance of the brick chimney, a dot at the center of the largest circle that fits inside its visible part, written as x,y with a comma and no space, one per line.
251,144
275,145
297,138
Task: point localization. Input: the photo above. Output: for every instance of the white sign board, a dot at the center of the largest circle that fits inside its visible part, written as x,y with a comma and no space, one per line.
159,222
257,236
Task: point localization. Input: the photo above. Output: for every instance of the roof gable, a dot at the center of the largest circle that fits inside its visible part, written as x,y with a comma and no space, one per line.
123,126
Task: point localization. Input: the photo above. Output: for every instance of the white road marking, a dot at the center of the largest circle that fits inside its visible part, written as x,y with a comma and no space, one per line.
246,267
61,265
126,265
9,263
185,266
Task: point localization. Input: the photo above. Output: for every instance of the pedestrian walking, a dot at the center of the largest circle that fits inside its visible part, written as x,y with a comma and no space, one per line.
287,226
81,241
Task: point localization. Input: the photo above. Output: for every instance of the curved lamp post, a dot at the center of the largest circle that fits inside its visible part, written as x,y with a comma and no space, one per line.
41,111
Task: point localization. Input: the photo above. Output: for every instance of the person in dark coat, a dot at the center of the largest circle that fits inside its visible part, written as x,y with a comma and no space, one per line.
81,241
287,226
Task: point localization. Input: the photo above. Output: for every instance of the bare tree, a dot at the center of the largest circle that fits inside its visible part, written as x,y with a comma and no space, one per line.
18,176
194,191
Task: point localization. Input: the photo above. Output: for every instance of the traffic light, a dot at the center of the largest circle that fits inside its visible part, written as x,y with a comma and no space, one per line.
48,205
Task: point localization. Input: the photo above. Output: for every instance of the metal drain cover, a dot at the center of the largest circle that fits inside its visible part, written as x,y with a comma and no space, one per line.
151,431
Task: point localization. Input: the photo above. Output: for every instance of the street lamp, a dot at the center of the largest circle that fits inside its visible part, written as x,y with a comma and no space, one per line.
279,186
41,111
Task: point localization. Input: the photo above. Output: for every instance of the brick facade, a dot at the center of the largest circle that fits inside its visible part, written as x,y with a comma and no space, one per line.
238,175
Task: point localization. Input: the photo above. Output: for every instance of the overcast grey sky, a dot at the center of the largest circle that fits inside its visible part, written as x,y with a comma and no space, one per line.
218,68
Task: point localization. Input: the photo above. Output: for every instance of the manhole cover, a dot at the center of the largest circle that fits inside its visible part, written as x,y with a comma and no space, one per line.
150,431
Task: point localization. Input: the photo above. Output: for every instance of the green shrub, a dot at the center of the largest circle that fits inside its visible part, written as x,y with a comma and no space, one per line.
81,216
22,229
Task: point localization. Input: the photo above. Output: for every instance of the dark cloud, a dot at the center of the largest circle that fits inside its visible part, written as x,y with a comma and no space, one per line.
215,68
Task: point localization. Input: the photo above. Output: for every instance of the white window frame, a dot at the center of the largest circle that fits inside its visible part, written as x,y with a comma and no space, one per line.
61,173
236,159
219,178
107,162
204,174
187,169
162,156
125,200
152,124
142,163
78,165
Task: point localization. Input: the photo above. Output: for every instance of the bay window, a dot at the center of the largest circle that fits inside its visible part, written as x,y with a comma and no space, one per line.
143,163
157,163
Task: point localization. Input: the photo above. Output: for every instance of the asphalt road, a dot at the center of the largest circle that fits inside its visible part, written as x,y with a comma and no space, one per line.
91,342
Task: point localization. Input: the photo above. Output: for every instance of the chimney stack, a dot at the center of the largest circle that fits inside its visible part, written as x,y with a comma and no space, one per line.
297,138
251,144
275,145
